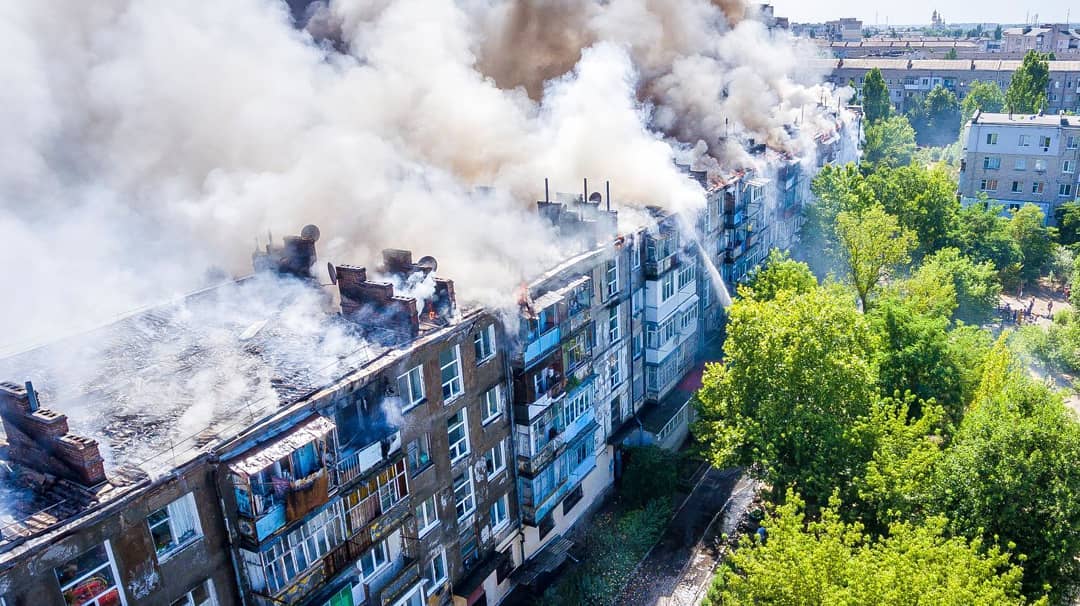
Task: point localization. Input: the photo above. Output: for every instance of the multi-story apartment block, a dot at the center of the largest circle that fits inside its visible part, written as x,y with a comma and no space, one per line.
1017,159
1058,38
847,29
907,79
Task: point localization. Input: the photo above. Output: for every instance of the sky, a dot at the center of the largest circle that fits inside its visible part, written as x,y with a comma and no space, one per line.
919,11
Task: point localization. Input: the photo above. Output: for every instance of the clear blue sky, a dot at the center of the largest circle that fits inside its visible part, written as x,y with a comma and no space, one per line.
918,11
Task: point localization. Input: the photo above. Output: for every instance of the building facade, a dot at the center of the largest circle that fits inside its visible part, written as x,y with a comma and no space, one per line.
1017,159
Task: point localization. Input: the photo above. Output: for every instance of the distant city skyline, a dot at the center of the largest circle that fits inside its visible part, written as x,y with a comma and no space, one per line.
919,11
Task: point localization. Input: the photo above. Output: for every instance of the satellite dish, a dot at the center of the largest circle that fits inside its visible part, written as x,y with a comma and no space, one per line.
330,269
596,197
310,232
428,264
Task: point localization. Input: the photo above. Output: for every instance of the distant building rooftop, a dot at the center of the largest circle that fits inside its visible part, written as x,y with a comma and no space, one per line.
1027,119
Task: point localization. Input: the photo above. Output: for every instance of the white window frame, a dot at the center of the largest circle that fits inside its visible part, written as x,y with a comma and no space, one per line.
667,287
110,563
496,455
1017,187
457,452
1067,166
189,600
322,534
453,387
614,324
988,185
1020,164
1038,187
436,582
492,404
1024,141
615,371
423,440
611,277
687,273
1064,190
496,522
577,406
635,256
181,517
377,567
991,138
411,386
464,506
427,516
991,162
484,344
1072,142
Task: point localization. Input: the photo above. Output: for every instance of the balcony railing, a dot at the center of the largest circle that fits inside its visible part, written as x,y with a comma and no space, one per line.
659,267
356,464
541,345
533,513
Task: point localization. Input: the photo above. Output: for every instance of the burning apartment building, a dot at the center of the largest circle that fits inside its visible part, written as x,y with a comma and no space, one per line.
254,445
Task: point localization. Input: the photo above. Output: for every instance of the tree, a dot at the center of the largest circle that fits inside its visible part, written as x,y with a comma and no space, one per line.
651,473
780,273
983,235
1009,476
1067,217
943,114
976,287
1060,264
952,54
797,380
1027,90
982,96
889,143
875,93
922,199
1027,230
827,561
997,33
872,244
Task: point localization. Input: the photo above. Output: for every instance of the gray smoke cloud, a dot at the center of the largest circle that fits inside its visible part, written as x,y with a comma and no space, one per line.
148,144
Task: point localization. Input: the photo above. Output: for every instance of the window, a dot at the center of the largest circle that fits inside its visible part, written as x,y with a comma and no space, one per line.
652,335
388,495
435,572
492,400
413,598
615,372
988,185
612,277
667,284
638,346
1067,166
1072,142
991,138
411,386
458,432
1040,166
450,368
992,162
426,516
1065,190
1020,164
1025,140
90,579
575,407
495,460
1037,187
499,515
1017,187
464,502
174,526
297,551
484,342
201,595
374,560
1044,142
613,324
686,274
419,453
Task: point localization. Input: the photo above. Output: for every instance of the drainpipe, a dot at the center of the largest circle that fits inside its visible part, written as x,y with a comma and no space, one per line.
216,481
509,380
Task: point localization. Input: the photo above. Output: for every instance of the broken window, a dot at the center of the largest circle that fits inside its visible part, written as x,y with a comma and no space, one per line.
419,453
174,526
201,595
90,579
450,368
458,432
464,501
484,343
411,386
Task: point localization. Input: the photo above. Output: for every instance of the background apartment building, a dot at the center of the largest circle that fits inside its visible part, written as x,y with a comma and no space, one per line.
1016,159
907,79
1057,38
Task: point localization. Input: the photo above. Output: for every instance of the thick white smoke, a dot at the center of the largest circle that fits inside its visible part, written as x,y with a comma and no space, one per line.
149,143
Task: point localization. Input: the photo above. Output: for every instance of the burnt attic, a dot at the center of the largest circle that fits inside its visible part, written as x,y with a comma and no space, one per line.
114,407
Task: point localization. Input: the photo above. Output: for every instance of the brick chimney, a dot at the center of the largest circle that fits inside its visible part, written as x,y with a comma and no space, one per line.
295,256
38,438
374,303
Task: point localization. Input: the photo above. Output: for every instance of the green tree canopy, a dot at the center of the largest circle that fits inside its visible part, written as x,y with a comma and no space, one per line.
975,285
922,199
888,143
872,244
798,377
779,273
875,96
983,235
936,117
1010,475
1027,230
1067,217
830,562
1027,90
982,96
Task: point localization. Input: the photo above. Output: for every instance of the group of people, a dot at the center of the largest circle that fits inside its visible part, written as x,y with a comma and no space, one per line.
1025,315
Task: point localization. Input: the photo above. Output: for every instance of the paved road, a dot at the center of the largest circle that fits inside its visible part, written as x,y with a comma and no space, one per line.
683,559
